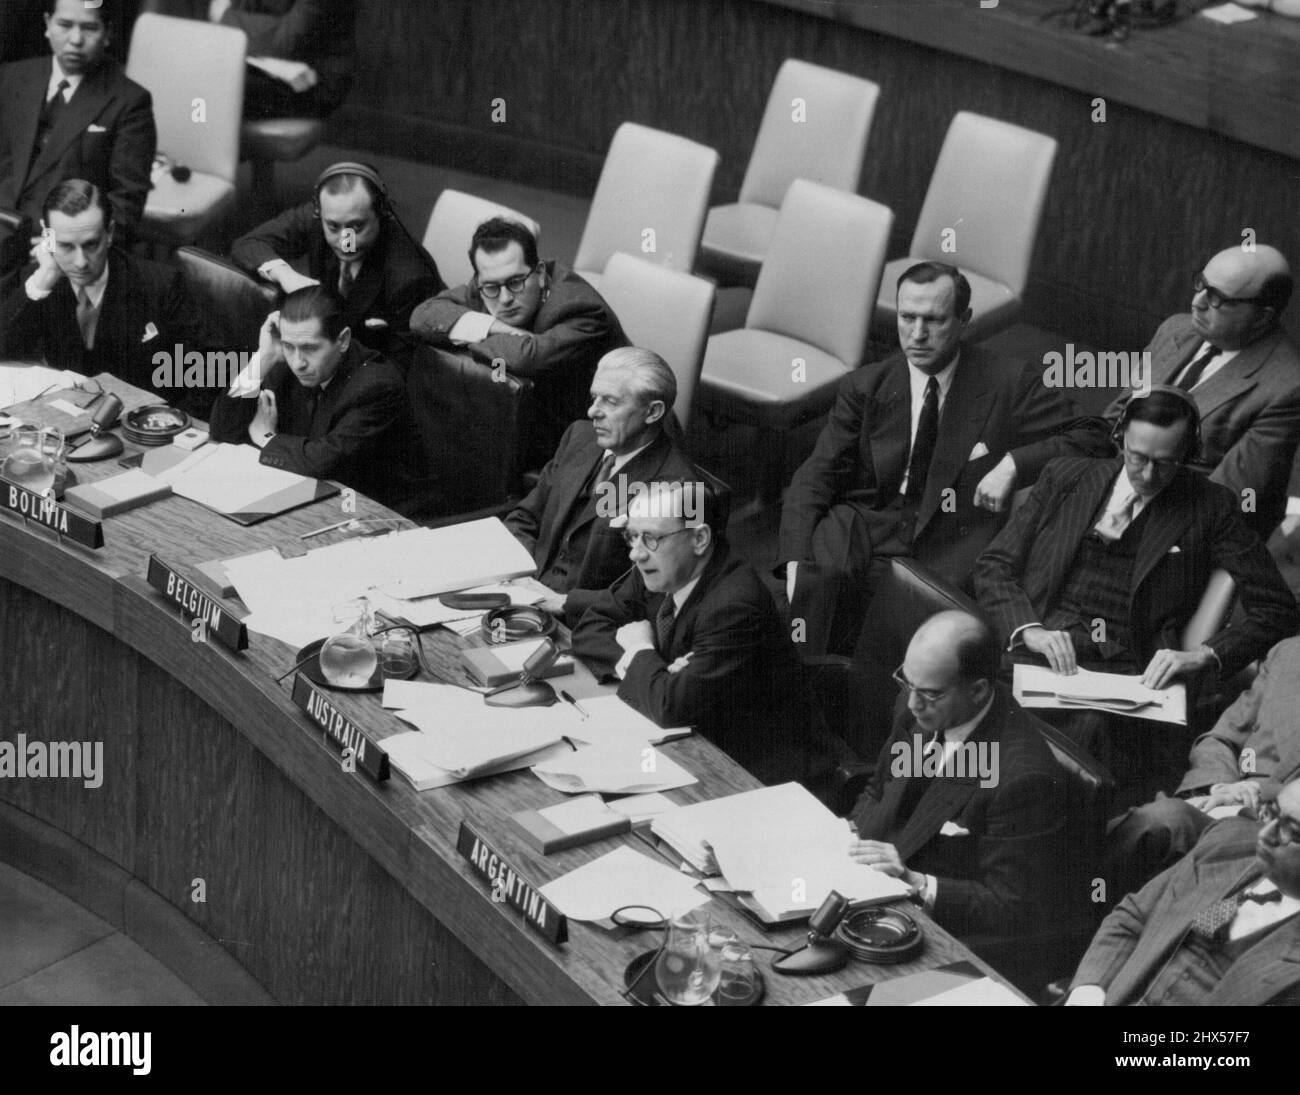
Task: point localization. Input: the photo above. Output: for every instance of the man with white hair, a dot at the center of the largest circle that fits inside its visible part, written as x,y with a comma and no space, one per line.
624,443
694,638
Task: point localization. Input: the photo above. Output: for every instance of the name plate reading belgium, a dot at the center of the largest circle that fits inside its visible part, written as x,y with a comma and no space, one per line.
509,887
340,731
47,512
197,605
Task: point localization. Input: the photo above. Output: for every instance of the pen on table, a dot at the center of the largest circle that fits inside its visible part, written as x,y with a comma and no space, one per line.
574,704
327,528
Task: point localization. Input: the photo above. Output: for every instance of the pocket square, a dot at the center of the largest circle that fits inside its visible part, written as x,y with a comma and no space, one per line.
951,828
93,128
979,450
1175,549
150,331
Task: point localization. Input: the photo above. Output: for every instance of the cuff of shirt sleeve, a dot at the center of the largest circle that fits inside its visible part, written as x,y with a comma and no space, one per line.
621,668
33,293
1014,641
269,267
471,327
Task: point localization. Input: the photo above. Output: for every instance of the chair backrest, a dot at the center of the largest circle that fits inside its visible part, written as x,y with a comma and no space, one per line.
651,200
451,226
664,311
468,425
819,280
233,304
988,190
1213,609
815,127
195,73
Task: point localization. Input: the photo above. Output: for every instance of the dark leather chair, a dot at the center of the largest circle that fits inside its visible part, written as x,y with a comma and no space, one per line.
234,305
468,425
13,241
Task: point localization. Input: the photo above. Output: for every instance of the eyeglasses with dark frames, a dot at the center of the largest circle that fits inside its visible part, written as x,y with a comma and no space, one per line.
492,289
651,540
1216,298
1288,829
927,695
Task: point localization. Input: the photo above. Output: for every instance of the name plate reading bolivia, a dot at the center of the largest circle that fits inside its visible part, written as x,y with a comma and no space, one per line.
509,887
51,514
340,730
197,605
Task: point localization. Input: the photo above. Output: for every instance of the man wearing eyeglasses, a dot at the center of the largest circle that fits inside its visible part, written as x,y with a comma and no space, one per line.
1229,766
1105,563
1232,355
533,319
694,638
1219,927
981,844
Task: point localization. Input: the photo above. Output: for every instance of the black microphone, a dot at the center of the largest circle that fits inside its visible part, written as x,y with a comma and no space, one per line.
97,443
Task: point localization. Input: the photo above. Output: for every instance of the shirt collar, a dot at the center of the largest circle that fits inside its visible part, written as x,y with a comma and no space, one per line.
57,75
964,730
919,380
95,289
1121,490
623,461
683,595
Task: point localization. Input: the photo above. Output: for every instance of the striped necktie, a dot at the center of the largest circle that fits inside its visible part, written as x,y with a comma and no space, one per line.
664,624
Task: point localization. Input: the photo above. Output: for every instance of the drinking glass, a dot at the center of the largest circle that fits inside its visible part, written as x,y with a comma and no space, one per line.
688,969
397,652
736,985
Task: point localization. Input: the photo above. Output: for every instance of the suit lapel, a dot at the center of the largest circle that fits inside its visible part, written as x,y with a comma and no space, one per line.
1184,345
26,115
1166,522
683,633
365,290
891,428
1069,524
964,412
1236,377
1265,969
84,107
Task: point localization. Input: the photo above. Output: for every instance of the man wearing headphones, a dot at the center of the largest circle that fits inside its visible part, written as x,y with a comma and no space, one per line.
1232,355
350,238
1107,560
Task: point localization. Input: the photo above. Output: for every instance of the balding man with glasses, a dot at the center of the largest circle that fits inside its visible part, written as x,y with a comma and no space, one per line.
1107,560
1232,355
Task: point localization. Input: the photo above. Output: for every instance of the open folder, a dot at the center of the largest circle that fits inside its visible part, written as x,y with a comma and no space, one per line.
1115,693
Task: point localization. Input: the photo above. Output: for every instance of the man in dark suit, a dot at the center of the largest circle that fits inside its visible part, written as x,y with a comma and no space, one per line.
89,307
318,403
349,237
920,457
600,464
1229,767
694,638
1219,927
1105,563
1243,371
978,830
74,115
533,319
319,35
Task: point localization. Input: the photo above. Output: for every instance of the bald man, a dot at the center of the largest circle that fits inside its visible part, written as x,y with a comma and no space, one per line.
980,836
1242,370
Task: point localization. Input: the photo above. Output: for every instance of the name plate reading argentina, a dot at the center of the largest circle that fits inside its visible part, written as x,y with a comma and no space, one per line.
340,731
45,511
509,887
197,605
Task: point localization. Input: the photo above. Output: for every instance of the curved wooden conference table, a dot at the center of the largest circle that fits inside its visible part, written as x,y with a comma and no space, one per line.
325,886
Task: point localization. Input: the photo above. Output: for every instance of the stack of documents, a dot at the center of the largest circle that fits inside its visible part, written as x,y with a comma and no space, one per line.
1039,686
618,878
779,848
458,737
22,383
293,599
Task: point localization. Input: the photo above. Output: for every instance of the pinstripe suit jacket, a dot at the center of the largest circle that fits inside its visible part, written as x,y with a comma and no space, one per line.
1193,526
1250,414
1138,937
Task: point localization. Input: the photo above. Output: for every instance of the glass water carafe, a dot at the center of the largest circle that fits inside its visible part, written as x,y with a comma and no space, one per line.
34,457
348,659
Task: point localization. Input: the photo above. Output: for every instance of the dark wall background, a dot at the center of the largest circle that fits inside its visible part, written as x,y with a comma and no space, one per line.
1136,204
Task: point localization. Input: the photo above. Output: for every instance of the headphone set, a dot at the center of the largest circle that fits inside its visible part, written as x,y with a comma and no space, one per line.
384,208
1191,443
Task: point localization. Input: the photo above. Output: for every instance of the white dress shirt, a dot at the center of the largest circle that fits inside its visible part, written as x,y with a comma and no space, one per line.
1216,363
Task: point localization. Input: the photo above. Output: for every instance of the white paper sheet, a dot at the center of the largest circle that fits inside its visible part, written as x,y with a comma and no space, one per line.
983,992
226,478
1117,693
20,383
614,769
621,877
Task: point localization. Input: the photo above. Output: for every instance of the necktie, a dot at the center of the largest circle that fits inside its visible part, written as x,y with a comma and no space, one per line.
1212,922
927,433
313,402
664,625
49,116
1113,524
86,318
917,784
1192,374
347,278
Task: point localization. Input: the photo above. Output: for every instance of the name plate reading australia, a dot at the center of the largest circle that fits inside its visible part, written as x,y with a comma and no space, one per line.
197,605
509,887
45,511
340,731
